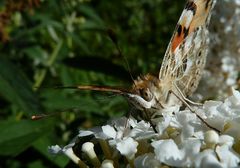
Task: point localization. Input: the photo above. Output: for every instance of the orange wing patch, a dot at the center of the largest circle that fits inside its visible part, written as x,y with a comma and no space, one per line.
180,35
194,15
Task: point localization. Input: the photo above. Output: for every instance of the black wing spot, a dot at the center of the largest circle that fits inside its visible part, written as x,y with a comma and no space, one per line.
166,66
198,62
184,64
179,30
186,32
200,53
185,60
197,72
192,83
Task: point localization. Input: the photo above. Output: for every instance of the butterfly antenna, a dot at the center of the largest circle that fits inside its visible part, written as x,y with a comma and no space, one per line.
73,109
43,116
40,116
113,37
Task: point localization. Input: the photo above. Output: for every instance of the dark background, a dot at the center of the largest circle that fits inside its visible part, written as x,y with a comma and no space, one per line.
64,42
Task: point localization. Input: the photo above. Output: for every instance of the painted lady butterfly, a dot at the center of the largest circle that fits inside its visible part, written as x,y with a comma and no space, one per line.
183,62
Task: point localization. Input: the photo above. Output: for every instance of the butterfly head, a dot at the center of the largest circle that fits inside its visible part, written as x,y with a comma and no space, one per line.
144,94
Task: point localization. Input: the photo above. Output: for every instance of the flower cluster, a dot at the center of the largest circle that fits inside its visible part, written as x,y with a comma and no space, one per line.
181,140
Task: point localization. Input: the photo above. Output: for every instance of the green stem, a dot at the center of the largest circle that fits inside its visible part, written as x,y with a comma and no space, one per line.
42,74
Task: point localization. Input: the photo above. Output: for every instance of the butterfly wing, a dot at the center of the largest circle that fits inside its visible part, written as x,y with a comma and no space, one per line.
185,57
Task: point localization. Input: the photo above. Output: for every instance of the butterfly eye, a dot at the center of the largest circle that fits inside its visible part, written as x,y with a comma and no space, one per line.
146,94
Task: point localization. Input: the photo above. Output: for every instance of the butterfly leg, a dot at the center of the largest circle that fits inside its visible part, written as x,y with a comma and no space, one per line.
150,121
193,111
192,102
186,99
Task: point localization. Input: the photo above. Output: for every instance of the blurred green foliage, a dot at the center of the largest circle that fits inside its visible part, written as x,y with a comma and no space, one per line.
51,43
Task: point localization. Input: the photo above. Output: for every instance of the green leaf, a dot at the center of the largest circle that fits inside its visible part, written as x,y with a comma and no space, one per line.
16,88
16,136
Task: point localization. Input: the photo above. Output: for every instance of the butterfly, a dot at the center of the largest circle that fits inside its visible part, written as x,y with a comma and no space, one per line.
181,69
183,63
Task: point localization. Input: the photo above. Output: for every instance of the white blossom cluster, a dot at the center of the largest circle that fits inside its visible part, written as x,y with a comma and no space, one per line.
181,140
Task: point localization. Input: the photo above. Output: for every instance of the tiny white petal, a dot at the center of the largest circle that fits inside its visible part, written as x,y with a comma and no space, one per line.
191,147
109,131
211,107
128,147
142,130
226,140
132,122
96,131
167,151
85,133
217,122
